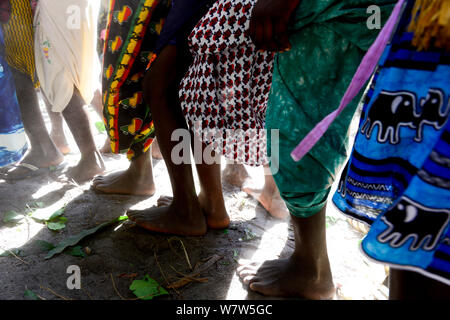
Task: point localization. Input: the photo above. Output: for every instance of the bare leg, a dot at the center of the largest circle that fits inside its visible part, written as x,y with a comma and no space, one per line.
98,107
43,152
269,197
184,216
211,194
235,174
408,285
77,119
57,131
156,153
306,273
136,180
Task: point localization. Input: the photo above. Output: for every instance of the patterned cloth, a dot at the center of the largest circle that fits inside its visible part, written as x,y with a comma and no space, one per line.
65,42
132,34
329,39
224,94
398,177
18,34
13,141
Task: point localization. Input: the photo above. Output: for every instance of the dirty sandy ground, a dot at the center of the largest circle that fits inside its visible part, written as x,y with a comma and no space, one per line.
124,252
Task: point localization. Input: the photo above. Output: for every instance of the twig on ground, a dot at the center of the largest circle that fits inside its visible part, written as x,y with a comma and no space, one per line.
160,270
190,276
185,280
15,256
115,289
193,276
208,263
56,294
184,250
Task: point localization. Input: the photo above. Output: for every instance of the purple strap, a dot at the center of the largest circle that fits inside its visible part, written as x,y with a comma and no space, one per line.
364,72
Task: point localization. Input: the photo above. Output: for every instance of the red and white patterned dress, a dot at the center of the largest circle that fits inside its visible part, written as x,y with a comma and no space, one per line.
224,93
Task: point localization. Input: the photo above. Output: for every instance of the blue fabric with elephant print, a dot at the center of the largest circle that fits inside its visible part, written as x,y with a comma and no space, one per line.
13,141
398,177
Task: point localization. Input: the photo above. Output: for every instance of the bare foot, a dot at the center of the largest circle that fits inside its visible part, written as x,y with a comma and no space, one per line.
156,152
128,182
34,158
136,180
216,216
270,199
235,175
188,221
86,168
164,201
288,278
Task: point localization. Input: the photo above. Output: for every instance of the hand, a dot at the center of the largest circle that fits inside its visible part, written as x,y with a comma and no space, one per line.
269,22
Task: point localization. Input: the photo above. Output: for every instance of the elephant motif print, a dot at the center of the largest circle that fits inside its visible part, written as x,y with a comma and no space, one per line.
393,110
432,113
411,220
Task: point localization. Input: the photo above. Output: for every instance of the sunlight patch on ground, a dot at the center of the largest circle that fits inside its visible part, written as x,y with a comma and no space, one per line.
270,247
46,189
18,235
48,211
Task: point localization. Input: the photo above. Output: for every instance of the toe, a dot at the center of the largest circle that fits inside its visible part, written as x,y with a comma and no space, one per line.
133,215
98,178
249,279
257,286
97,181
244,274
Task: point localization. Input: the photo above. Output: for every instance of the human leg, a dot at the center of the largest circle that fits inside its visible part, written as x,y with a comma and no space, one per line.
306,273
91,162
409,285
184,215
57,130
43,152
211,194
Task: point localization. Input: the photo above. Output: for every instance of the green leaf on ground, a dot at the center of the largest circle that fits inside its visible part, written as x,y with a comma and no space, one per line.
147,288
12,217
54,221
73,240
55,226
76,252
57,214
45,216
30,294
100,126
47,246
